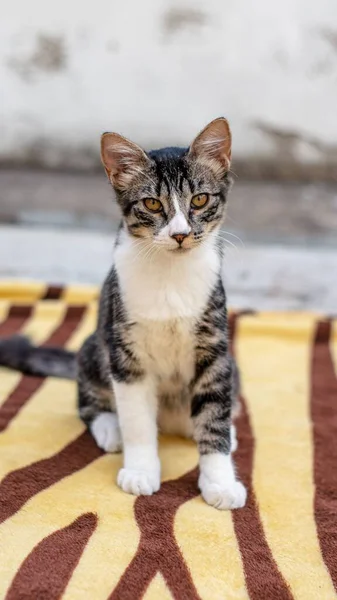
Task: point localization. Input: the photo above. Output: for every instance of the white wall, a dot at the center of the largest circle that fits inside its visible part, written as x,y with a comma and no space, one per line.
157,70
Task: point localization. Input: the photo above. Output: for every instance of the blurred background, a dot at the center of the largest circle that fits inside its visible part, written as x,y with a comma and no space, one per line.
157,71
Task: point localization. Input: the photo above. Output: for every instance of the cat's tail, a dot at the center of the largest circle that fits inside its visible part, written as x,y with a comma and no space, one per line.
18,353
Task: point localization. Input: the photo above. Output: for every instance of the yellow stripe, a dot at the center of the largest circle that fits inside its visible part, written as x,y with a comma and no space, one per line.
46,317
276,387
211,529
333,344
8,379
207,540
158,589
50,414
8,382
30,291
92,489
4,307
80,294
177,457
18,292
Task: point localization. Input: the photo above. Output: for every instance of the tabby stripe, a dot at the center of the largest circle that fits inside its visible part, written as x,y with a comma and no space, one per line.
53,292
21,485
260,568
324,419
158,549
27,385
16,318
47,570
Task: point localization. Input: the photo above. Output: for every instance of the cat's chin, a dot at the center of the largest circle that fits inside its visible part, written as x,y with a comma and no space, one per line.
179,250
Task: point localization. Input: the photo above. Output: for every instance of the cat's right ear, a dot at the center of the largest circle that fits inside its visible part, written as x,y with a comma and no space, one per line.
213,145
122,159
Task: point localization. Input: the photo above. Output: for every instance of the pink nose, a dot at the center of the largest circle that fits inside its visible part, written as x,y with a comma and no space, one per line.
179,237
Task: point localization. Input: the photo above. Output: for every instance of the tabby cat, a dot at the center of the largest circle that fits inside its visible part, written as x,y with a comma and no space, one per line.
159,358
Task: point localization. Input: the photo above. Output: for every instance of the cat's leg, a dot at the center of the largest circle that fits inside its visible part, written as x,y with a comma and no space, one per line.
234,439
211,412
96,398
137,411
235,395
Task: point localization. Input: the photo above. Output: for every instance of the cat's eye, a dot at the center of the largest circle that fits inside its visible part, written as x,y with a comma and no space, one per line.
199,201
153,205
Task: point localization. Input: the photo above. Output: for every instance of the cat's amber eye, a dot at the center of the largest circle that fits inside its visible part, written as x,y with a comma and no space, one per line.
199,201
153,205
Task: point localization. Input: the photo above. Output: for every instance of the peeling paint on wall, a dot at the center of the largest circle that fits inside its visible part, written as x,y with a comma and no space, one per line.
176,19
48,56
286,143
157,72
330,35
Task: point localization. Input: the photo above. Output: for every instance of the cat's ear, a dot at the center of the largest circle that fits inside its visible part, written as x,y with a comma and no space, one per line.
213,145
122,159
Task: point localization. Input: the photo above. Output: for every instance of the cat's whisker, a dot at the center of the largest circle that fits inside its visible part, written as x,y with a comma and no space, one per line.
144,247
235,236
224,239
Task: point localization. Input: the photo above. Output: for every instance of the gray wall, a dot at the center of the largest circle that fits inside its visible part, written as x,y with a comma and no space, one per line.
158,70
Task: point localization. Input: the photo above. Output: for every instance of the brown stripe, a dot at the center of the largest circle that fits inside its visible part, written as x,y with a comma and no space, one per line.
158,549
53,292
263,578
70,323
16,318
21,485
46,571
324,418
29,385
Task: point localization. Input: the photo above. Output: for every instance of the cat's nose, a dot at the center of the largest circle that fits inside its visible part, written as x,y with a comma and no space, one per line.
179,237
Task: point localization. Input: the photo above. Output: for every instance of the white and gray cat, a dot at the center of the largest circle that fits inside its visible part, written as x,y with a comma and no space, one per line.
159,358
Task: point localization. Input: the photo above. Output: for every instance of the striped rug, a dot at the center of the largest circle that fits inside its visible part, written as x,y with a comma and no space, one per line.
67,531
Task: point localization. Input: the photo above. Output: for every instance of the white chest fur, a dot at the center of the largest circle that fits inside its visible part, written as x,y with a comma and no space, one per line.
164,295
166,349
164,286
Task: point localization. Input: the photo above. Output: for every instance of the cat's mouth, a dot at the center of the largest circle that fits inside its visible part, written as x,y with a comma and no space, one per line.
180,250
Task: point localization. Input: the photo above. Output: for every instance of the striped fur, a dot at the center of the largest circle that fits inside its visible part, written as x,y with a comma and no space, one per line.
159,357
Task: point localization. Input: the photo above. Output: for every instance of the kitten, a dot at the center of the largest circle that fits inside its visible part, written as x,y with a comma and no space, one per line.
159,358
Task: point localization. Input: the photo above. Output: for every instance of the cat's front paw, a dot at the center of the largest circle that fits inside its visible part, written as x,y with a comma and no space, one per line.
221,496
106,432
139,483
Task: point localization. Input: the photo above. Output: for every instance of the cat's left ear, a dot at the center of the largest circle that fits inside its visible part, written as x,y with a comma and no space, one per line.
122,159
214,145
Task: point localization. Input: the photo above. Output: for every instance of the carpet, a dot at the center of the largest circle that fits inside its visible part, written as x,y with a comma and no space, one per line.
67,531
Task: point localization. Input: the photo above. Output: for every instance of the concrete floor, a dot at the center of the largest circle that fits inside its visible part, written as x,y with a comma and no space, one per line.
268,276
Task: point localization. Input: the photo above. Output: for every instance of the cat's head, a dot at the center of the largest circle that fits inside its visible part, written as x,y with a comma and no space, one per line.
173,198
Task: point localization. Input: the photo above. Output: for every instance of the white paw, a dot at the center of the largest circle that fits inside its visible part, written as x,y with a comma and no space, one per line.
222,496
234,441
105,430
139,483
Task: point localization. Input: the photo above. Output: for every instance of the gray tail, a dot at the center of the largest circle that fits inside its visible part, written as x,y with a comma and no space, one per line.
18,353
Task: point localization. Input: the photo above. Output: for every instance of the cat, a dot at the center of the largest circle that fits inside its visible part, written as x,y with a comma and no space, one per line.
159,358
